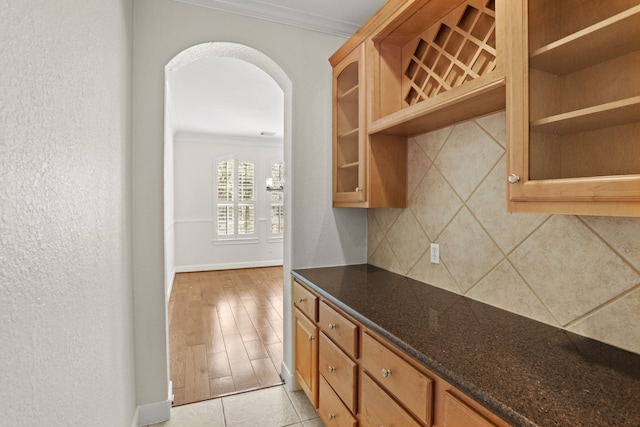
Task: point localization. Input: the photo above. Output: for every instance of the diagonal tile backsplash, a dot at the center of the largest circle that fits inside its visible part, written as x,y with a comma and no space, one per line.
578,273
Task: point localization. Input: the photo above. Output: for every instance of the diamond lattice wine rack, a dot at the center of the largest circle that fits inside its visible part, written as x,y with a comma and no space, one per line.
433,57
460,48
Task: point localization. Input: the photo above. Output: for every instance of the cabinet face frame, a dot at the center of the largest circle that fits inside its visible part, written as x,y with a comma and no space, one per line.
613,195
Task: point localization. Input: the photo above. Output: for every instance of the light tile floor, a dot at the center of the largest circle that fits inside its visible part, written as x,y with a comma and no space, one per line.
269,407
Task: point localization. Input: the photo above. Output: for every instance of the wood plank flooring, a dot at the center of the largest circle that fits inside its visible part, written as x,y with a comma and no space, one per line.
225,332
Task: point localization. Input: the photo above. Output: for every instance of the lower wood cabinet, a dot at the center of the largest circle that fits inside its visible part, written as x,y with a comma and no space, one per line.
305,337
354,377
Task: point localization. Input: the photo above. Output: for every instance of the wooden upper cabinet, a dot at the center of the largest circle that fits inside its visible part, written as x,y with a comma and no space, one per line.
439,62
369,171
349,135
573,107
413,67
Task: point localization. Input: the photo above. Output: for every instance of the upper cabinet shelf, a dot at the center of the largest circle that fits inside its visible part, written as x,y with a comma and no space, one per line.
573,108
609,38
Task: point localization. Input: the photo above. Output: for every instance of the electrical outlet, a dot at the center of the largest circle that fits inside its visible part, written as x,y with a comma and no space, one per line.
435,253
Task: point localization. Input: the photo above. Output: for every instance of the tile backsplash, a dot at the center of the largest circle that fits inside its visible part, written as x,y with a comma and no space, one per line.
579,273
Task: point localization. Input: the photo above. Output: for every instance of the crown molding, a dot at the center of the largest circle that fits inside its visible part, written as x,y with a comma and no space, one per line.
281,15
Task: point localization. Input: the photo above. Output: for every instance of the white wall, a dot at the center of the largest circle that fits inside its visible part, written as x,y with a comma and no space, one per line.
194,166
319,235
66,322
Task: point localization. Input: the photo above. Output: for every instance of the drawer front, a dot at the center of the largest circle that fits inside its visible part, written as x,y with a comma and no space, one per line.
339,371
377,408
306,301
332,411
457,413
407,384
341,330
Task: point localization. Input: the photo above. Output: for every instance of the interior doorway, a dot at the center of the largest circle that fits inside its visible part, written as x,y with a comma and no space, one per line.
200,250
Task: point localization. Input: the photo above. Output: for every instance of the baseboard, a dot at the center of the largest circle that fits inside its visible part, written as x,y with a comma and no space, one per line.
156,412
289,379
227,266
170,287
136,419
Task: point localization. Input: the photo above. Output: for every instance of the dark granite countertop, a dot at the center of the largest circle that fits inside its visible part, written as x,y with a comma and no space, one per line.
526,372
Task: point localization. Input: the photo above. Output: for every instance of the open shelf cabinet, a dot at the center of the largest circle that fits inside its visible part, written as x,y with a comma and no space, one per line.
573,107
438,63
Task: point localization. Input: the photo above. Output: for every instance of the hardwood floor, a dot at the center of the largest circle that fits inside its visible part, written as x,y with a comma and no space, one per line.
225,332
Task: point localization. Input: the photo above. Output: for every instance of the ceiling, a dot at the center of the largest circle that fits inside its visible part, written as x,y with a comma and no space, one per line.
339,17
226,96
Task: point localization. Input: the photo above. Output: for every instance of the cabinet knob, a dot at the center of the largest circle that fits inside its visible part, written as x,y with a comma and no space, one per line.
513,178
386,372
332,325
331,368
311,338
358,190
331,416
301,300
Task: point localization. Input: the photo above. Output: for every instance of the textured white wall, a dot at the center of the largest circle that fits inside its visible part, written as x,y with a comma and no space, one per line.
66,323
320,235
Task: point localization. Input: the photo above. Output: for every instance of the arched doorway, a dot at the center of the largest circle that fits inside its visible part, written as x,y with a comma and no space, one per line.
255,58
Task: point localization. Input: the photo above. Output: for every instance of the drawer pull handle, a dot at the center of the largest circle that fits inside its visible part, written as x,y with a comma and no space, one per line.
386,372
332,325
331,416
331,368
311,338
301,300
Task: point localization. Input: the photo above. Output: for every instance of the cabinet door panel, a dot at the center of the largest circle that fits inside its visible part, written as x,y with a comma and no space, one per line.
306,355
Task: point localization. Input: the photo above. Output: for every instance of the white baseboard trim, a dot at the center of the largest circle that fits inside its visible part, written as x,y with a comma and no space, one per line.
156,412
227,266
289,379
135,422
170,287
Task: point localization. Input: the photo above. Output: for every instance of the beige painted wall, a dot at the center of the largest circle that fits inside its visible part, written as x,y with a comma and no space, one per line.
576,272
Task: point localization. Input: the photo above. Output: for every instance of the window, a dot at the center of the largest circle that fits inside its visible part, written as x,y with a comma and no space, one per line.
276,200
235,199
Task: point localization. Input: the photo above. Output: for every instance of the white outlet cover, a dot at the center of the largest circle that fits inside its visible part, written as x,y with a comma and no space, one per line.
435,253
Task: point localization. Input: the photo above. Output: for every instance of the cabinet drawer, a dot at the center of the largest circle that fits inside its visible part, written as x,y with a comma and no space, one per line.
332,410
457,413
377,408
398,377
341,330
306,301
339,371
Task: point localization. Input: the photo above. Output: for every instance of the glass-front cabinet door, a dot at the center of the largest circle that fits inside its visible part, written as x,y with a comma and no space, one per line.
349,133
